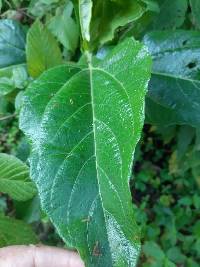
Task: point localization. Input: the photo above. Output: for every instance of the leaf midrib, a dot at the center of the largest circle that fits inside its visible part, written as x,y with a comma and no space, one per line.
95,146
90,68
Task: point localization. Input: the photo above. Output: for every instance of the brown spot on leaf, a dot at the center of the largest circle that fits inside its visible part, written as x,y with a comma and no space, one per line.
96,250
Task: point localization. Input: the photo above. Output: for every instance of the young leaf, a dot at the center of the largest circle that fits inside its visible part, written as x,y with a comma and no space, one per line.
14,178
84,126
100,19
195,6
85,15
174,90
63,26
15,232
12,77
12,43
42,50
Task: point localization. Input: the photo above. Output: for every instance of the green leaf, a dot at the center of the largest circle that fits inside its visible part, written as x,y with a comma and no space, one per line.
172,14
113,14
28,211
195,6
100,19
174,90
14,178
152,5
63,26
85,16
15,232
184,139
42,50
12,43
84,125
6,86
12,77
175,255
39,8
153,250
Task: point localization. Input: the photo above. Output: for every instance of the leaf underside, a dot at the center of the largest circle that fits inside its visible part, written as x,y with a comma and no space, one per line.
84,123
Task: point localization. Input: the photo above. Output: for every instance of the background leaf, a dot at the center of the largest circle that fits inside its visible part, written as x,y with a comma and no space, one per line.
172,14
14,178
12,43
100,19
63,26
15,232
94,167
13,77
109,15
174,95
42,50
39,8
195,6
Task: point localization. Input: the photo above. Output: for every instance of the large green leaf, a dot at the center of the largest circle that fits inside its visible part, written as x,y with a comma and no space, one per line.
195,6
42,50
84,125
14,178
174,90
15,232
12,43
100,19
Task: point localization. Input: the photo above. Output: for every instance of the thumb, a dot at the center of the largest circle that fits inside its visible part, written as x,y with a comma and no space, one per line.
38,256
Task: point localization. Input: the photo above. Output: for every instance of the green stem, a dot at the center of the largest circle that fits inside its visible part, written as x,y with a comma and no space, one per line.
8,117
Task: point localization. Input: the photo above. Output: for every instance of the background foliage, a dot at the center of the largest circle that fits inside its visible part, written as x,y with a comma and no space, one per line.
36,35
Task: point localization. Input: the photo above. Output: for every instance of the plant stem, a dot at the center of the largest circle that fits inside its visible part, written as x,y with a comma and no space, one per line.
8,117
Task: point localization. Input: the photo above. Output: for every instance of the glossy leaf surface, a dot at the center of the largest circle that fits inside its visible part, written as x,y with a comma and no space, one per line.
12,43
174,90
14,178
42,50
84,124
15,232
